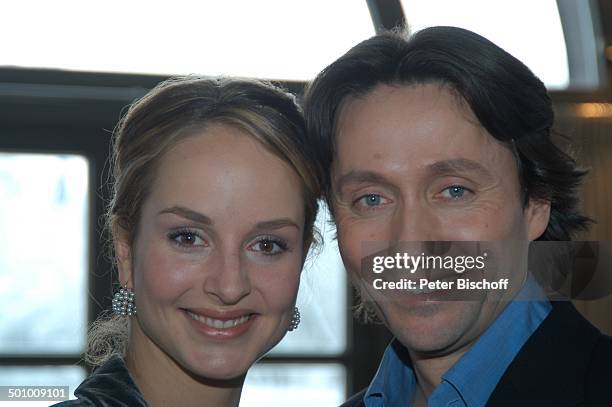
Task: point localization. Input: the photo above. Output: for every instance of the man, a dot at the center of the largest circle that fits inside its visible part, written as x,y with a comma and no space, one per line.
446,137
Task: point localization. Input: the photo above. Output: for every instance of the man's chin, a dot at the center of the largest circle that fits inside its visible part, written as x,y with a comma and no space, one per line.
433,327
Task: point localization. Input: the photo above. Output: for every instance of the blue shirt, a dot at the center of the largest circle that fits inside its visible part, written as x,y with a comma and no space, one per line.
470,381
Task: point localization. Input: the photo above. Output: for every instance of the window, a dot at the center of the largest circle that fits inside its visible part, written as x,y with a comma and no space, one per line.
44,216
556,39
44,213
529,30
298,385
274,39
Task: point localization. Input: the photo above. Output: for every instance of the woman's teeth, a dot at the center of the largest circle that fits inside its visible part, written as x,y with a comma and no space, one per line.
217,323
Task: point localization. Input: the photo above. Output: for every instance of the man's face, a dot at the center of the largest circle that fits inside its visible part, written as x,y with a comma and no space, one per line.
413,164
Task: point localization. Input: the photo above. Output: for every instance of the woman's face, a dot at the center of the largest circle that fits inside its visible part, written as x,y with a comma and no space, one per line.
216,262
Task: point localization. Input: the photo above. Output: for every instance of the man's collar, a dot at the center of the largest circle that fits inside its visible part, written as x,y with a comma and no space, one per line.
476,374
395,381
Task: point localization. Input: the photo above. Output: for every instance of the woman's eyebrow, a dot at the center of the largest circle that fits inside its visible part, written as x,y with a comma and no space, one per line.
205,220
187,214
275,224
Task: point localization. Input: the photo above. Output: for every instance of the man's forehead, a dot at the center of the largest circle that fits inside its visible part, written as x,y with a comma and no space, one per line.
410,96
413,127
408,111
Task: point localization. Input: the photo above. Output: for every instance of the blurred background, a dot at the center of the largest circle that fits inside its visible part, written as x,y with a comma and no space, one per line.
68,69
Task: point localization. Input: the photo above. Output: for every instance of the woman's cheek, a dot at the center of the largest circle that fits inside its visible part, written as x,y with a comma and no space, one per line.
279,282
164,276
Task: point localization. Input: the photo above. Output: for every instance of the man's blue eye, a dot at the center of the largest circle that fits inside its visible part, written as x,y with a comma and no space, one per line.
456,191
372,199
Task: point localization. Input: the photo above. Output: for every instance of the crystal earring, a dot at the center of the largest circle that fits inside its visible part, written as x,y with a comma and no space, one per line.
295,319
123,302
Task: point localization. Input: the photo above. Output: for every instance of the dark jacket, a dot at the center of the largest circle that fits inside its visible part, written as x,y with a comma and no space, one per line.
110,385
566,362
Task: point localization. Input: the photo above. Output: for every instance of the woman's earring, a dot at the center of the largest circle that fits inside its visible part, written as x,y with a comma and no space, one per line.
295,319
123,302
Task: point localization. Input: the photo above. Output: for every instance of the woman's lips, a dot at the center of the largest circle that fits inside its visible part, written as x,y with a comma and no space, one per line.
226,325
218,323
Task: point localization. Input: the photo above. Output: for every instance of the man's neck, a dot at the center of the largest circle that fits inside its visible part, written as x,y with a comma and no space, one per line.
429,370
163,382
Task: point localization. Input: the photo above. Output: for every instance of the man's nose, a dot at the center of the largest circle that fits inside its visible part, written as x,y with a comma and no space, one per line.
228,279
416,230
415,223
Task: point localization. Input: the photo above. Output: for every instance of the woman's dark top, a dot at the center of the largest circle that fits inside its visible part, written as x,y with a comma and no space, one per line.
110,385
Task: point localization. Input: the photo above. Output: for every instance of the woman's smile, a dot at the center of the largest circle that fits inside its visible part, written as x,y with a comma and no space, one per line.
224,325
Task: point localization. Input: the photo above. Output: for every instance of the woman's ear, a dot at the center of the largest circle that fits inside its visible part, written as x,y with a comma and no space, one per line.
123,254
538,216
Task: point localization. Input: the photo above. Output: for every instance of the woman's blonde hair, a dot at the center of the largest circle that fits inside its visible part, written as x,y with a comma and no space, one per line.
174,110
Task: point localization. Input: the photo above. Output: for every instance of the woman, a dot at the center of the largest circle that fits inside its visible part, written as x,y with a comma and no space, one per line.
212,215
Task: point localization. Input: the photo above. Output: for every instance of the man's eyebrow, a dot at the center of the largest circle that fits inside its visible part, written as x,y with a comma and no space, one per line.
458,165
187,214
360,177
275,224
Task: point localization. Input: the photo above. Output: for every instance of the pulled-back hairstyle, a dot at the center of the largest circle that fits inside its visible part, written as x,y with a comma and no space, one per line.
510,102
171,112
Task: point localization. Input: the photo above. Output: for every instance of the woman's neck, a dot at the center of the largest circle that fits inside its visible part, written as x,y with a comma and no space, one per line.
163,382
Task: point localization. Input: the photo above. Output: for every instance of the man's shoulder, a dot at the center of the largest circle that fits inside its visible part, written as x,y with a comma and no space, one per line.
599,372
356,400
566,360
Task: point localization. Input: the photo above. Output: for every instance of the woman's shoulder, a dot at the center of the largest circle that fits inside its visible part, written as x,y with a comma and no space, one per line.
109,385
